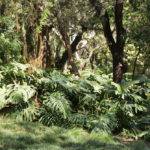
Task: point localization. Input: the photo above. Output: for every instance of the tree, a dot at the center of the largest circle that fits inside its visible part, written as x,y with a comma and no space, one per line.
69,27
116,46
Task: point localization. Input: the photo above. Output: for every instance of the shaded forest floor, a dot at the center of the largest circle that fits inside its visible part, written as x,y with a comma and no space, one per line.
24,135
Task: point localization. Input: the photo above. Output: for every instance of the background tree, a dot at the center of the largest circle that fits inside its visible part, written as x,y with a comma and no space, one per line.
46,32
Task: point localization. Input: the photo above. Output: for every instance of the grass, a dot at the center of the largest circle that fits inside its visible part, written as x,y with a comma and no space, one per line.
34,136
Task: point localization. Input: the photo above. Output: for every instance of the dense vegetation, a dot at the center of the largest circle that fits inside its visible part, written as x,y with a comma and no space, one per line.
80,67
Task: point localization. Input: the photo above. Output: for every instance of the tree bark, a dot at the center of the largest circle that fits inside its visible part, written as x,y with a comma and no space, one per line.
120,42
46,61
116,47
71,60
117,66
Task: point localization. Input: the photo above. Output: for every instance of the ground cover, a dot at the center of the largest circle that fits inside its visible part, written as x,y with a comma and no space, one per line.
31,135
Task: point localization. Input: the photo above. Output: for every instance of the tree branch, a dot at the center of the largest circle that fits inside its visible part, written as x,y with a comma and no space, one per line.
74,44
105,23
108,33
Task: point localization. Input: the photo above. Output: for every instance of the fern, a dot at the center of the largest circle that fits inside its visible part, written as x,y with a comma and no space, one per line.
93,102
105,123
30,113
15,94
57,103
78,119
48,118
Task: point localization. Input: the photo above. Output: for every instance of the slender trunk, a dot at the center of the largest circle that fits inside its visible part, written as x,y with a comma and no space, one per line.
16,14
57,56
37,13
116,48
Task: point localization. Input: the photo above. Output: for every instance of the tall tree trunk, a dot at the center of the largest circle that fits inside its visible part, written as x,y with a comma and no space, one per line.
117,47
120,41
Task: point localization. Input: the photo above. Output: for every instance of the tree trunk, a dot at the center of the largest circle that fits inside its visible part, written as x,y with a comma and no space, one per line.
61,63
120,42
71,60
64,33
116,47
117,67
46,61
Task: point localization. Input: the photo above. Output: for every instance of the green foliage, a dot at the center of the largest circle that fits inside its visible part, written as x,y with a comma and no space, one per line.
15,94
33,136
104,123
10,48
95,102
57,103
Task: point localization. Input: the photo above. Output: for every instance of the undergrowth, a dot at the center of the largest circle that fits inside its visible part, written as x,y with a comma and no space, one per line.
93,102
